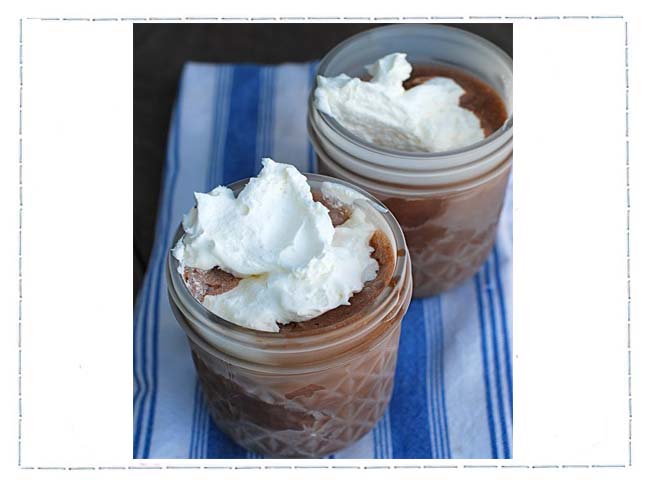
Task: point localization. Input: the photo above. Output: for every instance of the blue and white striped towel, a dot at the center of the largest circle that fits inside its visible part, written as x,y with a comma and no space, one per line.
452,395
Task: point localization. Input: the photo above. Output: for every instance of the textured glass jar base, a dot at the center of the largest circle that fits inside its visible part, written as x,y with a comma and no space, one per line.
449,233
302,415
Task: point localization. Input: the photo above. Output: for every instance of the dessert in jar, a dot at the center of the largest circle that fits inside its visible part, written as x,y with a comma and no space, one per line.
420,116
291,290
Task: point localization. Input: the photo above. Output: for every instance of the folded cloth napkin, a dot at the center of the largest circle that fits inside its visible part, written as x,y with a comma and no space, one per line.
453,387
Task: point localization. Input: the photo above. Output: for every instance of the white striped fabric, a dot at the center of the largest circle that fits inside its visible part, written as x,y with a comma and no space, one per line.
453,389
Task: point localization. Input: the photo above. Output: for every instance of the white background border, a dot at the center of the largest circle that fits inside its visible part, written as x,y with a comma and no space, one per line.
9,201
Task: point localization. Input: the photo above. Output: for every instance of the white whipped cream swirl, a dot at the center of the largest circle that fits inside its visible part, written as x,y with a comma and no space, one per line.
293,263
425,118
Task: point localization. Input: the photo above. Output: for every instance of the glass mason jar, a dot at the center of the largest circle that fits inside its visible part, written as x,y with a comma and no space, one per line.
303,393
448,203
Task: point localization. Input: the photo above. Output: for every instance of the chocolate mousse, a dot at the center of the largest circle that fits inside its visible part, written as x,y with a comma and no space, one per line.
432,141
311,387
215,281
479,97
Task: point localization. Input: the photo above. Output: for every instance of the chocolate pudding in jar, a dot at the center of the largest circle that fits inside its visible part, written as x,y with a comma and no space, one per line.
295,345
420,116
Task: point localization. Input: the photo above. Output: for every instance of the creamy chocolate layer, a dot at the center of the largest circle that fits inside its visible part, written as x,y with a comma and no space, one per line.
215,281
479,97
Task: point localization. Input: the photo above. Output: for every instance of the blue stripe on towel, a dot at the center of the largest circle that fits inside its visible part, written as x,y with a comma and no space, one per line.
203,426
240,147
139,363
137,380
166,237
434,330
486,367
431,380
382,445
496,358
444,409
194,429
140,352
410,430
504,326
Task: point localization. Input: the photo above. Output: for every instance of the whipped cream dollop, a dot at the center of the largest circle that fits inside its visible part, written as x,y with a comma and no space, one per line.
425,118
293,264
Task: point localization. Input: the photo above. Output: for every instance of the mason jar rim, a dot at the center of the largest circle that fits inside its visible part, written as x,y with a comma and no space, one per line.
247,336
335,126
